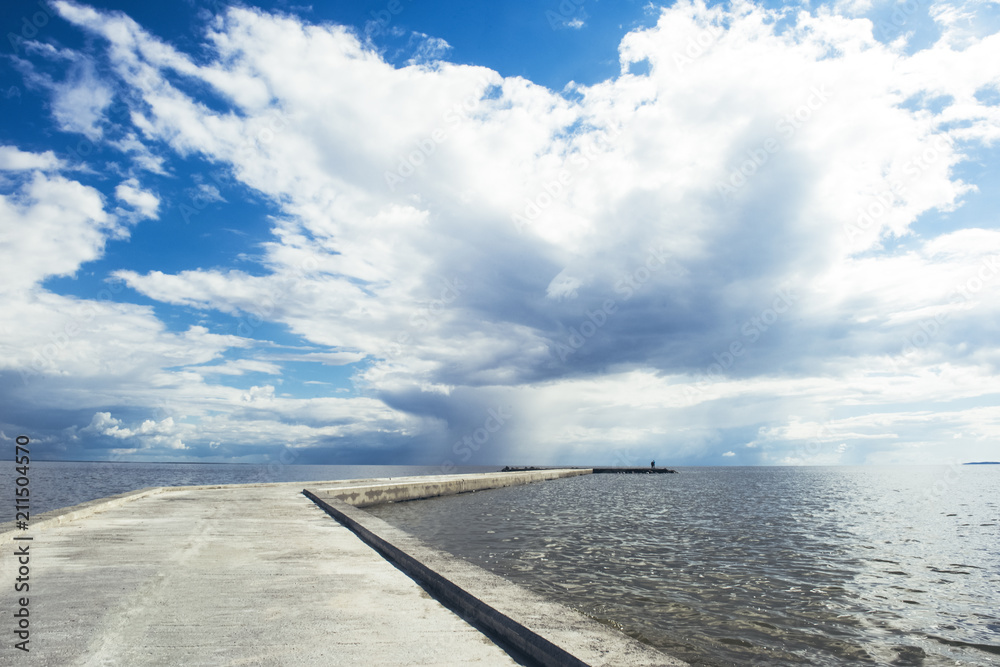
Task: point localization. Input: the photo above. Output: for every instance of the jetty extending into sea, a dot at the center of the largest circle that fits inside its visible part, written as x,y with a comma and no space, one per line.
274,574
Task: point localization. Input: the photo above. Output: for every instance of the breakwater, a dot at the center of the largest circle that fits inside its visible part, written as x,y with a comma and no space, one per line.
607,470
197,575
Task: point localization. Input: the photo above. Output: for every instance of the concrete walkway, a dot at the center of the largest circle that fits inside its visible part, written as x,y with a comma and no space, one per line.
254,575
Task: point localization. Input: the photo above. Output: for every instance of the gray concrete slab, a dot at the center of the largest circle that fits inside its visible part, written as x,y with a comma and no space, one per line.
252,575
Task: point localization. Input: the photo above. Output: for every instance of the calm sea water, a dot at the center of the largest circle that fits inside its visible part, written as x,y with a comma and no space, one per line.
745,566
55,484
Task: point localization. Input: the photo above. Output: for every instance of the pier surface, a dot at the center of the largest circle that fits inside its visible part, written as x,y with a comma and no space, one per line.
234,575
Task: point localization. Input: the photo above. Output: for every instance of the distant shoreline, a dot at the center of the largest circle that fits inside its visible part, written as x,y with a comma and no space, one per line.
982,463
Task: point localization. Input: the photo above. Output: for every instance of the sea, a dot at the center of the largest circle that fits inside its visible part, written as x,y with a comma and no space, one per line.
717,566
752,565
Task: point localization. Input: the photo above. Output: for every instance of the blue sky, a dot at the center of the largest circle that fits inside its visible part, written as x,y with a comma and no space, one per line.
501,233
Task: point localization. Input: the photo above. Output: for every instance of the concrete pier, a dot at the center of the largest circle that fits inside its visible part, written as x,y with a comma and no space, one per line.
632,471
364,493
614,470
250,575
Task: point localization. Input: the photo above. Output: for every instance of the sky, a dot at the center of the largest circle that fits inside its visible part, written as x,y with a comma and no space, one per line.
535,233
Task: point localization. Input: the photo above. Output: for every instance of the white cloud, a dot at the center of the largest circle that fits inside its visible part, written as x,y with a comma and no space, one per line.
339,358
105,424
428,49
238,367
14,159
206,194
79,103
563,286
256,394
49,227
143,202
140,154
588,258
164,434
853,7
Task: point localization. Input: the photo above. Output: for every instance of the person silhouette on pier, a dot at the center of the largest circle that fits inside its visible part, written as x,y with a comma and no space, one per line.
652,464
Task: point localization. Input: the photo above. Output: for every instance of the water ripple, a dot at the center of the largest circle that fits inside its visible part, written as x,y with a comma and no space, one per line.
724,566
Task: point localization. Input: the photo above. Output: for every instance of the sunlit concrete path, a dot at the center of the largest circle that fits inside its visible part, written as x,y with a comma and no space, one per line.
241,575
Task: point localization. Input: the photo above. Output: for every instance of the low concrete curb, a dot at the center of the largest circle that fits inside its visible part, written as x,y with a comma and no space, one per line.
545,631
364,493
60,516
